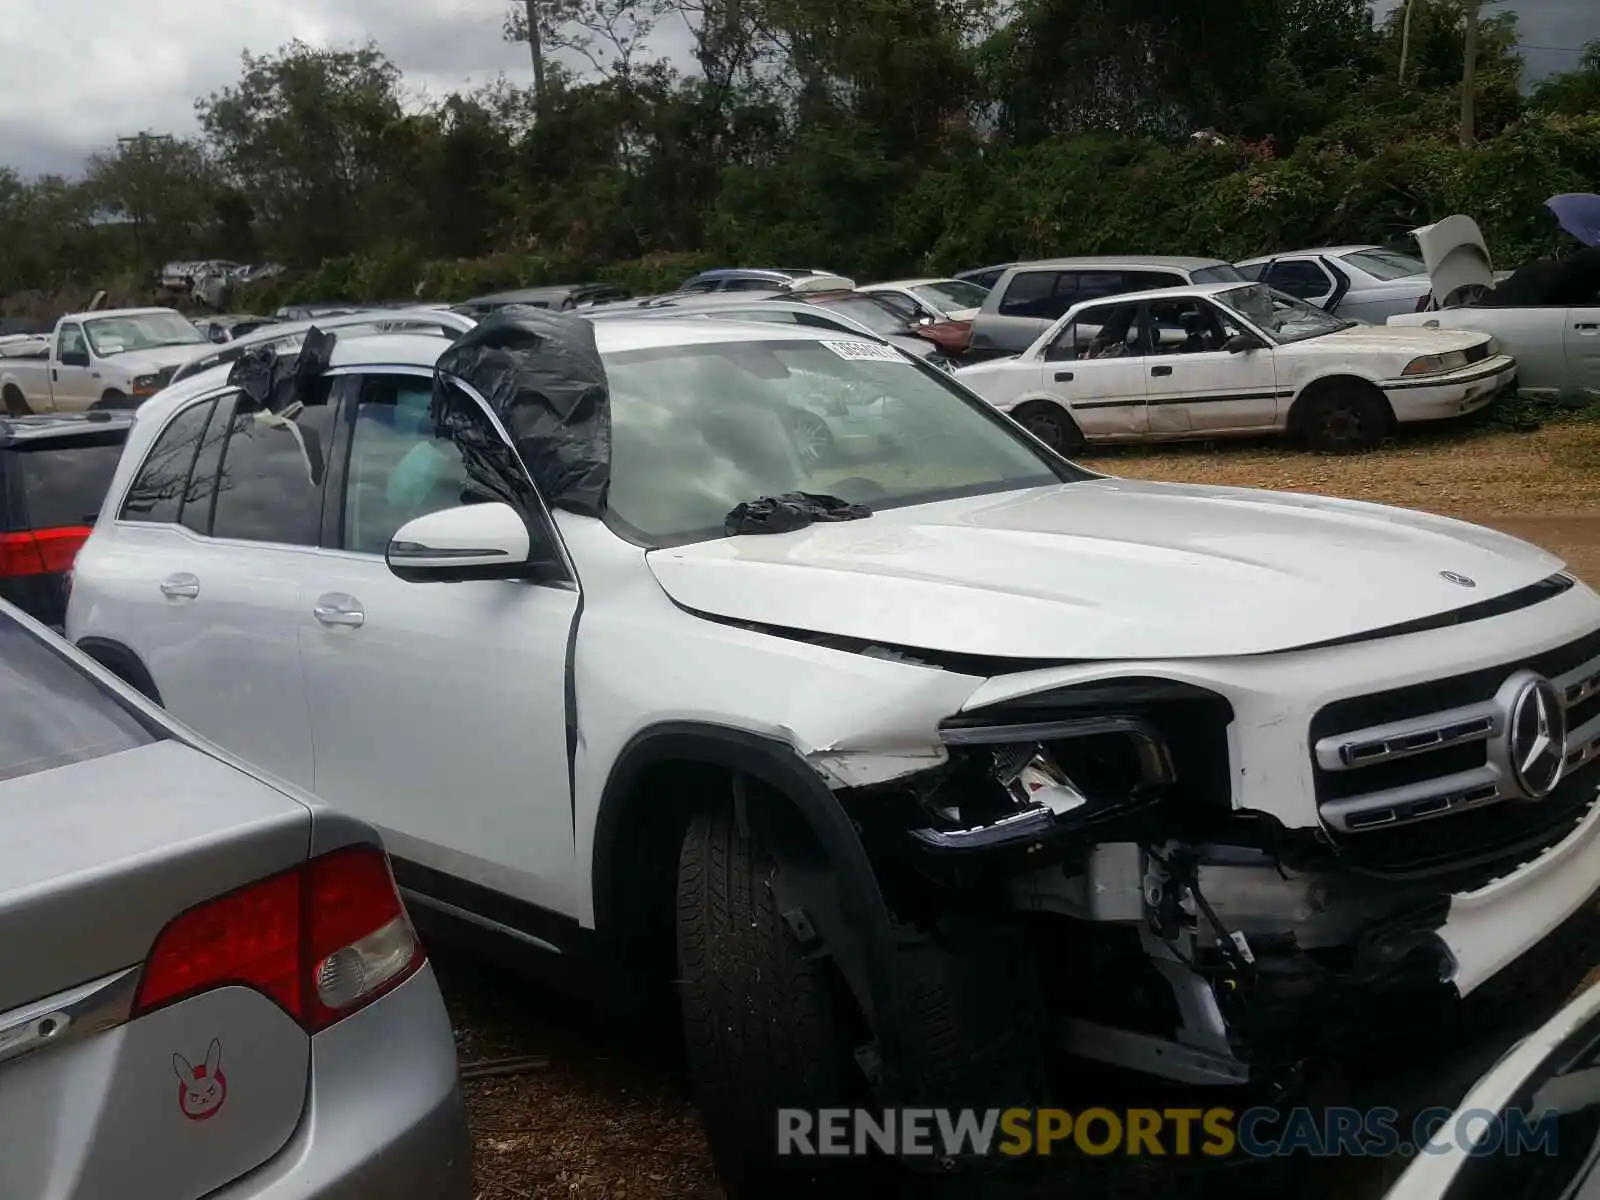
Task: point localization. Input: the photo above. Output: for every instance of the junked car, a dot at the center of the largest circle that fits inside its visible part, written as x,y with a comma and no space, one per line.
112,358
1361,283
1225,360
930,767
210,985
1030,297
765,279
1552,326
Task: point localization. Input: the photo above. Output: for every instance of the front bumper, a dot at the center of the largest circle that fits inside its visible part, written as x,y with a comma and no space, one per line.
1438,397
384,1115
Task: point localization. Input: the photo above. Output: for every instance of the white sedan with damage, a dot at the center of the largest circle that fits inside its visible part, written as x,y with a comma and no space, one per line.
1225,360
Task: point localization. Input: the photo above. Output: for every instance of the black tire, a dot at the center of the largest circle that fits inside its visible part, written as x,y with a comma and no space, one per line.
1343,419
764,1025
113,399
16,403
1052,425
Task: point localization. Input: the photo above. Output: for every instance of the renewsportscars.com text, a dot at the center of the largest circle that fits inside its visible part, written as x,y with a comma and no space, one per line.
1162,1132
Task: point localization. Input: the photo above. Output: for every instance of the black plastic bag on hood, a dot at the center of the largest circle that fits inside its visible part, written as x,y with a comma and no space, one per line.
791,511
276,386
541,374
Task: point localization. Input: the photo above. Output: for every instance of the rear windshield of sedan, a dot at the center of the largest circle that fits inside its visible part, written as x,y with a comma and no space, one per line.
1221,273
51,713
1386,264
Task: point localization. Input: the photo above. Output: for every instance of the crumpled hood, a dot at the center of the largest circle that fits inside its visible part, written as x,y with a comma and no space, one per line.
1456,256
1105,568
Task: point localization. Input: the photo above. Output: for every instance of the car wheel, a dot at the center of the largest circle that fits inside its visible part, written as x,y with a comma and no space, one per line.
812,439
111,400
765,1026
1052,425
1343,420
16,403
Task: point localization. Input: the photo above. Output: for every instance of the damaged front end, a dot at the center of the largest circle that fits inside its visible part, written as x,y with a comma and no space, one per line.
1174,934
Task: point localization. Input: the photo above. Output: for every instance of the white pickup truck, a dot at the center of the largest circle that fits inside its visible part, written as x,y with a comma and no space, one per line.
112,359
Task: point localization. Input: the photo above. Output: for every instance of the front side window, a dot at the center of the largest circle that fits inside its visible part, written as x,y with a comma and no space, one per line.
51,713
70,341
399,468
1188,326
1298,277
1283,317
698,430
141,331
269,483
157,494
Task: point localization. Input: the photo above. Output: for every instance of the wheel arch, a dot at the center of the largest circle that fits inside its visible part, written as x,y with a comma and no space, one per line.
1332,382
122,662
627,820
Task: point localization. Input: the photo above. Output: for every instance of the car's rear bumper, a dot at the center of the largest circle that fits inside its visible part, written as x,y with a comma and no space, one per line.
384,1115
1438,397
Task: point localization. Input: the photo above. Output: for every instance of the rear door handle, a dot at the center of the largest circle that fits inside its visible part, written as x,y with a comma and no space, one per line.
1587,326
1063,376
1161,370
336,608
182,585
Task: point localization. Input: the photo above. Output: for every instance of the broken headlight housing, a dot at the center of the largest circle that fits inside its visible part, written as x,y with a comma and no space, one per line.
1057,762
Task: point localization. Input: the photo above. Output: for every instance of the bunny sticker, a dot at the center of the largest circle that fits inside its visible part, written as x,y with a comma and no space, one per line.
203,1089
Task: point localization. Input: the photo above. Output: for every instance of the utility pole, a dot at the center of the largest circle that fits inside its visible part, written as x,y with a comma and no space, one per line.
538,57
1405,41
1469,72
137,182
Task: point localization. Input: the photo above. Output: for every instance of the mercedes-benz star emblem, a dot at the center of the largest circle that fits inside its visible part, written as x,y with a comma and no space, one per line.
1458,580
1536,737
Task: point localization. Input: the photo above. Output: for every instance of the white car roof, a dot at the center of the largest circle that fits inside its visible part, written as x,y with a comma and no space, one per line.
120,312
419,350
906,283
1330,251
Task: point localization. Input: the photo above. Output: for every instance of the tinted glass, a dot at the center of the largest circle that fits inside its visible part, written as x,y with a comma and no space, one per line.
200,494
269,486
697,430
1299,278
157,492
1091,285
1221,273
64,480
1033,294
398,469
52,714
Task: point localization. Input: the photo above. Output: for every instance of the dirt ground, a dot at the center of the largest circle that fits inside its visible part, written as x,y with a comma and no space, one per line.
603,1114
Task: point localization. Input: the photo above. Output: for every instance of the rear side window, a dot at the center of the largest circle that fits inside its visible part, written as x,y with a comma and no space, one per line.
1145,281
1034,294
51,713
200,493
157,494
1221,273
1299,277
64,480
269,485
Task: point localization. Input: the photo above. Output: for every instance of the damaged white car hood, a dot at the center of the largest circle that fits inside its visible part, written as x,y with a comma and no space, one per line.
1456,256
1105,568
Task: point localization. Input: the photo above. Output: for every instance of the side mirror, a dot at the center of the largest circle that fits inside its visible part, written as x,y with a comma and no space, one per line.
1243,343
475,541
74,358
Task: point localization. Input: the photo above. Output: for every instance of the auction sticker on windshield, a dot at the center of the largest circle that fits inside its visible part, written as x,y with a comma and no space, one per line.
866,351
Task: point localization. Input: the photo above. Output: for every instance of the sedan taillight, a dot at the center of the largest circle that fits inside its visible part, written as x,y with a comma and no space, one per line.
321,941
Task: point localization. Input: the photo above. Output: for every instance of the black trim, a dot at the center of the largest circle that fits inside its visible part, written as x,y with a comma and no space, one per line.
776,764
1104,404
124,664
1445,379
569,697
1341,283
1217,399
562,932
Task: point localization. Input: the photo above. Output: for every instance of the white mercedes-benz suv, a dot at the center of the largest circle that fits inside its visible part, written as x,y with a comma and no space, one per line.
919,759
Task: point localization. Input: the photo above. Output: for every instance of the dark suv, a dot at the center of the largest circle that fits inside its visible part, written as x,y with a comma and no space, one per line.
54,472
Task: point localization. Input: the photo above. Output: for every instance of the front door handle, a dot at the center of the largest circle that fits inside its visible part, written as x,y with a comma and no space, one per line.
1587,327
181,586
336,608
1161,370
1063,376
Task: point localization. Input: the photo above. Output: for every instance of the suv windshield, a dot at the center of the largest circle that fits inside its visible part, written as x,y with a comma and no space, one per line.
144,331
1284,317
51,713
697,430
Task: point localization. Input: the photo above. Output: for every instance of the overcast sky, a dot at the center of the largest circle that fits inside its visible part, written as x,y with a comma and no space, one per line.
76,73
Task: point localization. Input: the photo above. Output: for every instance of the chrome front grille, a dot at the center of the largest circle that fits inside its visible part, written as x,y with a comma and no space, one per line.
1444,748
